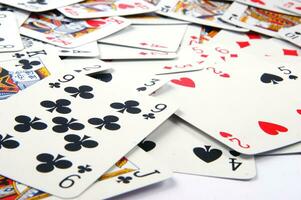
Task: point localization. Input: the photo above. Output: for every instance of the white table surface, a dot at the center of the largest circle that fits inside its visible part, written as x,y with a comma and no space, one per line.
278,178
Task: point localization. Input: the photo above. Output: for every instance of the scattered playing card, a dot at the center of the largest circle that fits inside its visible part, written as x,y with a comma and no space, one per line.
96,8
153,37
86,66
245,111
52,27
192,152
292,34
86,50
202,12
238,41
83,119
135,170
12,41
259,20
114,52
38,5
277,49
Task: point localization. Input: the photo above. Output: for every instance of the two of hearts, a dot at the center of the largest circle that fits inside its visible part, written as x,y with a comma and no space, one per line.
267,127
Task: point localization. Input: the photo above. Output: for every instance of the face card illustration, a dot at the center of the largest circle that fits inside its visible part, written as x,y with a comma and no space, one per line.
21,15
152,37
68,119
52,27
273,122
38,5
17,75
8,24
192,152
96,8
293,6
272,5
135,170
23,69
292,34
259,20
204,12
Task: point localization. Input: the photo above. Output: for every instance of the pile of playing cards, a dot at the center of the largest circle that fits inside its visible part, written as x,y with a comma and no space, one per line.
102,97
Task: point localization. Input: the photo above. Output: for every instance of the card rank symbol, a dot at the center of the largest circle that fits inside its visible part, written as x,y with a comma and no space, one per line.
64,125
82,169
83,91
149,116
7,142
290,52
60,106
128,106
26,123
55,85
18,55
108,122
49,162
76,142
124,179
26,64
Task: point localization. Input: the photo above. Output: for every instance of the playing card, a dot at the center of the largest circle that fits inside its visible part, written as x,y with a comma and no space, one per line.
153,18
114,52
293,6
192,152
242,109
17,75
145,82
238,41
153,37
136,170
86,50
52,27
21,15
272,5
38,5
96,8
83,119
190,56
86,65
23,69
259,20
202,12
12,41
292,34
277,49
